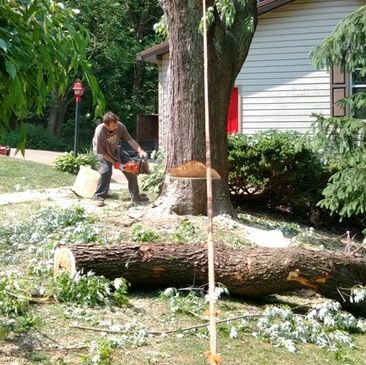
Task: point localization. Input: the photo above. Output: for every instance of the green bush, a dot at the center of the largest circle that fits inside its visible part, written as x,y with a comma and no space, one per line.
69,163
86,132
37,138
276,169
153,182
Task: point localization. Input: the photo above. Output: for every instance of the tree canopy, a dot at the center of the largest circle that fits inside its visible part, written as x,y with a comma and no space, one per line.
40,46
119,30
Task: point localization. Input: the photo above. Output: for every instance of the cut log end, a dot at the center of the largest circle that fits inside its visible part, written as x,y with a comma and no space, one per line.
192,170
64,261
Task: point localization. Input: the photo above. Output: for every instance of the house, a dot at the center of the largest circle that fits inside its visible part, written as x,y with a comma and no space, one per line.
277,87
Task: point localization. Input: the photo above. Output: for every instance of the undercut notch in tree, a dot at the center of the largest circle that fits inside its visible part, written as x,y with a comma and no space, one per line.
248,273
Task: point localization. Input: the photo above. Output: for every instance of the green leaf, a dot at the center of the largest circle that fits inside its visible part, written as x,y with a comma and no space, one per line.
3,45
10,69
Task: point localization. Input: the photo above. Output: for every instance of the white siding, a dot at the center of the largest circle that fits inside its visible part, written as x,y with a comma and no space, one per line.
279,88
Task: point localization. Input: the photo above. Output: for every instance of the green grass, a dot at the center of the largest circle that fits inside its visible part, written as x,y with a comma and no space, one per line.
146,308
18,175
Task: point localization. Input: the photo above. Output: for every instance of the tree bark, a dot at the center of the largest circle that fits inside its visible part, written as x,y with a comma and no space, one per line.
185,141
247,273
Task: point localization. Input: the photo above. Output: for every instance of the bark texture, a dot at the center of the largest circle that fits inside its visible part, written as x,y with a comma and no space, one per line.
246,273
185,122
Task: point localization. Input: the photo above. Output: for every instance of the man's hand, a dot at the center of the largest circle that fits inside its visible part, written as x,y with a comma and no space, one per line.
142,153
117,165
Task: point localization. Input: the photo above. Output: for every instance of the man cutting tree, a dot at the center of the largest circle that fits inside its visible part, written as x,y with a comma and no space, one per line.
106,146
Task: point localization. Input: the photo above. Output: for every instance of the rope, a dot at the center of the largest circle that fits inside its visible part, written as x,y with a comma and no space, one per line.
212,355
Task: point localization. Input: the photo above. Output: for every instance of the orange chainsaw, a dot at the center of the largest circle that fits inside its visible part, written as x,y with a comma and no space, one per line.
136,166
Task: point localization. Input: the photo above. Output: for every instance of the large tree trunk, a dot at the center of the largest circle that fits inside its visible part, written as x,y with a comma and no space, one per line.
185,122
248,273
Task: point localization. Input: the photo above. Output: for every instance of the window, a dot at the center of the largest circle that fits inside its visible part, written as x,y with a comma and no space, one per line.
358,84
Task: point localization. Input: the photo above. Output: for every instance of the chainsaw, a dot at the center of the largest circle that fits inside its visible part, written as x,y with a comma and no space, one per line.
136,166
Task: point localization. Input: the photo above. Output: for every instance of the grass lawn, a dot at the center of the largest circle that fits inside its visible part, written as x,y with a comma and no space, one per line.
19,175
54,332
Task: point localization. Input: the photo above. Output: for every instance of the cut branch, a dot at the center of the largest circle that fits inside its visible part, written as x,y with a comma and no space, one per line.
250,273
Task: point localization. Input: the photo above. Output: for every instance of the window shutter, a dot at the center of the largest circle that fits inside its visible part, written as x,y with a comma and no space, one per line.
339,86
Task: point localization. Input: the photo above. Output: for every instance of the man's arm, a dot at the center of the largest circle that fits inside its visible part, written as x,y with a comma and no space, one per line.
136,147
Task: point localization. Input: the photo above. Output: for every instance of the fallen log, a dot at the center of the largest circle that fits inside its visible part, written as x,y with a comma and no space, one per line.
250,273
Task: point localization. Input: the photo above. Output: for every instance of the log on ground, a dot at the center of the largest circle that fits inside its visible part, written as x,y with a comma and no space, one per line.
250,273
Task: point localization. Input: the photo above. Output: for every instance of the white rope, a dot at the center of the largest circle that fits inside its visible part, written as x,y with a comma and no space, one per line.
210,243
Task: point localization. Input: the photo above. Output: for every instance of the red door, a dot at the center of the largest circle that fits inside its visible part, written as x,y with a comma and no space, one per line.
232,118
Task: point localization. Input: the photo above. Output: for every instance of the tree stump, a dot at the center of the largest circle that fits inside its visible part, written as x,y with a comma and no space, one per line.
250,273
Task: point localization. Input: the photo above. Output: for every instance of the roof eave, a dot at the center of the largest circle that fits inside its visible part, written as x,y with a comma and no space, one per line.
269,5
154,54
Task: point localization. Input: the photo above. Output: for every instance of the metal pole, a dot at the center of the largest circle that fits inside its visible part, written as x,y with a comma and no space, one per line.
76,136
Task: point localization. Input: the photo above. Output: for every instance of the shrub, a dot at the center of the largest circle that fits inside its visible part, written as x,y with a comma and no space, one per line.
153,182
69,163
36,138
276,169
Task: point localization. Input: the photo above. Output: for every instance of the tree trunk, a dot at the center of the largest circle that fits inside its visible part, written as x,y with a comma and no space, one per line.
185,121
247,273
57,112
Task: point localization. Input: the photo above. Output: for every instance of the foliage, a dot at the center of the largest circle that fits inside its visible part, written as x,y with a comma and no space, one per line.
47,32
325,325
192,303
185,232
153,182
65,225
140,234
87,126
358,294
36,137
277,168
120,30
15,304
69,163
227,11
343,141
13,301
90,290
346,45
99,352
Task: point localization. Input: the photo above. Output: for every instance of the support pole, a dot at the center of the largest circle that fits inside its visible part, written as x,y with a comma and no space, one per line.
212,356
77,122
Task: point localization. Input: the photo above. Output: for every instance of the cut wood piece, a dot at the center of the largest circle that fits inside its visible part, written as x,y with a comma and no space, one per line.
192,170
86,182
248,273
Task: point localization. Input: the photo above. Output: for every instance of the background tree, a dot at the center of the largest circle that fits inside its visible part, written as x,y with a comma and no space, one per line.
119,30
39,46
232,25
344,139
